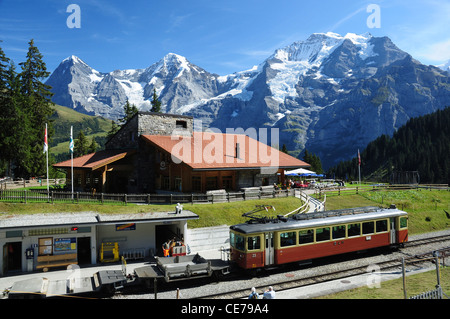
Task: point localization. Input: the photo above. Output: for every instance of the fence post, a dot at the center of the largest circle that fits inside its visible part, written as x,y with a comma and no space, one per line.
52,199
192,198
404,278
25,194
125,199
78,197
437,269
102,197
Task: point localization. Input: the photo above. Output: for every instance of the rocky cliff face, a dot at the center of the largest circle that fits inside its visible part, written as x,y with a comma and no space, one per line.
330,93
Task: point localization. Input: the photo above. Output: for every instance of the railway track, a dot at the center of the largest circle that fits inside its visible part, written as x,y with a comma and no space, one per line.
394,263
238,284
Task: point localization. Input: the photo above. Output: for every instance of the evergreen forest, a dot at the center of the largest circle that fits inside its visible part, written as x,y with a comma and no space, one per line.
420,148
25,108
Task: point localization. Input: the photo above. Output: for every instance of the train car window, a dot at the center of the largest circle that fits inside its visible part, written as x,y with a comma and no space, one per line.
338,232
354,230
288,239
306,236
237,241
253,243
381,225
368,228
403,222
323,234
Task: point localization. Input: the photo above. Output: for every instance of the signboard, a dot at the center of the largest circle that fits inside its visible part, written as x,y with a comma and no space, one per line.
45,246
122,227
63,244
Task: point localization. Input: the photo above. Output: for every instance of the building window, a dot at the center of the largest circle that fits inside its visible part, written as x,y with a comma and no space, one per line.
196,183
165,182
181,124
227,182
177,184
211,183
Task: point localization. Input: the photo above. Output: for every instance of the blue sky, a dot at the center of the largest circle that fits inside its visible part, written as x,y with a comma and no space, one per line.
221,36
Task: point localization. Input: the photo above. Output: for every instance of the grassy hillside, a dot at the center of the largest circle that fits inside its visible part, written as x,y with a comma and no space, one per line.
64,118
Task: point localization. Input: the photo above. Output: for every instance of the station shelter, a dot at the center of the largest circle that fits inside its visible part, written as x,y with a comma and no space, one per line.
38,241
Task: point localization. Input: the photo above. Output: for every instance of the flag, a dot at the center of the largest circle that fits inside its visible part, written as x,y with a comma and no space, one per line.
359,159
45,140
71,140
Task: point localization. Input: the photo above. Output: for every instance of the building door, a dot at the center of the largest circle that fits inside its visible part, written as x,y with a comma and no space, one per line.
269,249
84,250
12,257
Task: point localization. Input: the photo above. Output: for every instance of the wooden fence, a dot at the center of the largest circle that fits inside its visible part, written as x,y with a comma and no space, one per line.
319,193
40,196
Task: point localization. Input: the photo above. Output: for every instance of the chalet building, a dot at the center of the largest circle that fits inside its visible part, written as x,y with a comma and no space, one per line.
155,152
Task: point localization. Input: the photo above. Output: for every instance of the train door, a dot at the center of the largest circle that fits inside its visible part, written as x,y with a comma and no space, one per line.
393,231
269,249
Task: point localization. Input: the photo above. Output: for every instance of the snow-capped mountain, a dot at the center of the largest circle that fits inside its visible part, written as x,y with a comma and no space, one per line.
444,66
329,93
176,80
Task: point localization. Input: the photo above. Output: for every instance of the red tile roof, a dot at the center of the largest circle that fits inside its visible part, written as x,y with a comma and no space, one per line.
218,151
95,160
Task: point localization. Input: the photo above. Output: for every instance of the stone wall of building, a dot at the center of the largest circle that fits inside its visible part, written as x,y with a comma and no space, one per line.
126,137
148,123
164,124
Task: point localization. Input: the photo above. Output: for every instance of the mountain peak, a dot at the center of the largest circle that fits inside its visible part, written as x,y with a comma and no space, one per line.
74,59
444,66
320,45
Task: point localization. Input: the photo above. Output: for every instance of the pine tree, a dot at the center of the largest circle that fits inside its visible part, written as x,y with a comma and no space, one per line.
156,103
36,106
80,145
130,110
92,147
114,129
14,138
5,101
313,160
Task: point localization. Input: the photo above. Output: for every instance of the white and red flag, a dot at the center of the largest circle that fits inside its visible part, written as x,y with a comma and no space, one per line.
45,140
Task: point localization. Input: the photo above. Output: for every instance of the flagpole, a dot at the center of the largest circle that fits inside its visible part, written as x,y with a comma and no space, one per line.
359,167
46,151
71,156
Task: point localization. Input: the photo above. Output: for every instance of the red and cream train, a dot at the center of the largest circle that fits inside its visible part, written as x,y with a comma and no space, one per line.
263,242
